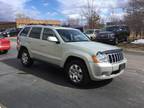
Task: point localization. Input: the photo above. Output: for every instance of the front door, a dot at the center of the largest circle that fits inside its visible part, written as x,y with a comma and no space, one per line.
52,52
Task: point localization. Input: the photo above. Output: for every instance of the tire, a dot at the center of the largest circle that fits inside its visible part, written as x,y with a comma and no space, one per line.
77,73
25,58
126,39
116,41
5,52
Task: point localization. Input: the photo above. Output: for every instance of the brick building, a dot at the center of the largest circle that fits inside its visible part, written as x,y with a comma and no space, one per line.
26,21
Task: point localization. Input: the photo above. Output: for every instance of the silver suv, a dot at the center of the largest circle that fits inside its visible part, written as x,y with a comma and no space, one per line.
82,59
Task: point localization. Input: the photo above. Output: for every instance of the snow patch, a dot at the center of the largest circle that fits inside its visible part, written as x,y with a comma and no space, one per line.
139,41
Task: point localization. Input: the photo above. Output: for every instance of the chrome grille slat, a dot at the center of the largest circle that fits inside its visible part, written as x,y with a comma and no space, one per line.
115,57
121,56
118,56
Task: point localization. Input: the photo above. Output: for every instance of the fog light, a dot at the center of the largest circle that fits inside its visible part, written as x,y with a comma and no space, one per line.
105,74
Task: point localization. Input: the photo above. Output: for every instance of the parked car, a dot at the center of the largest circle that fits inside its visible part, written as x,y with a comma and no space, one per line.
113,34
13,32
4,44
2,30
82,59
92,33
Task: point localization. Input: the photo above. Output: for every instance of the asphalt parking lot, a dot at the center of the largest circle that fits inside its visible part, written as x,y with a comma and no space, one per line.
45,86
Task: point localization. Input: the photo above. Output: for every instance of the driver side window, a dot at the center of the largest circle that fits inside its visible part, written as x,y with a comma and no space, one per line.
47,32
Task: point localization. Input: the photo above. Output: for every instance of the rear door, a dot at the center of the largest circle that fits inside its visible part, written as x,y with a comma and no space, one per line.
34,41
22,38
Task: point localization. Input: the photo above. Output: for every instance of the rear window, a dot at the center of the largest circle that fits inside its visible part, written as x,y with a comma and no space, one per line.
25,31
35,32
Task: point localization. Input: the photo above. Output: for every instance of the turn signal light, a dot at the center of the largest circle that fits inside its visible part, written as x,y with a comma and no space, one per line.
95,59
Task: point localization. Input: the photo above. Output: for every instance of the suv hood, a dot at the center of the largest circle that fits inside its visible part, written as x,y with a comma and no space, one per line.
92,47
106,32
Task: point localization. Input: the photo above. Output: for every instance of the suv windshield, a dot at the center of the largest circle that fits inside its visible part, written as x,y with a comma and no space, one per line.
69,35
113,28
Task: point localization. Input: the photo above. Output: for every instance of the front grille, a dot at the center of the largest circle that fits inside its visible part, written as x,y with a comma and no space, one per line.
103,36
115,56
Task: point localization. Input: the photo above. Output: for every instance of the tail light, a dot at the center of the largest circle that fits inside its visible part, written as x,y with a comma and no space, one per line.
18,42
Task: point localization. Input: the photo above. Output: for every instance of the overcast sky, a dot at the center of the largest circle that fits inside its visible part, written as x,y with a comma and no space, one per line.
57,9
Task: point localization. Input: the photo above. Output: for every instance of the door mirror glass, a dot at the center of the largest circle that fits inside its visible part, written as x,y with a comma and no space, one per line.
52,39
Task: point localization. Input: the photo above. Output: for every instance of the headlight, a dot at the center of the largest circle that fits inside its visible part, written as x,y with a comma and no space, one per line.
101,57
111,36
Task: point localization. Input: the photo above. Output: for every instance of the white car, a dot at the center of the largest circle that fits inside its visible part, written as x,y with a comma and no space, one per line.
82,59
92,33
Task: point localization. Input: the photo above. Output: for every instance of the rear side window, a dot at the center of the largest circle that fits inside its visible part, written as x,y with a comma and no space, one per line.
47,32
25,31
35,32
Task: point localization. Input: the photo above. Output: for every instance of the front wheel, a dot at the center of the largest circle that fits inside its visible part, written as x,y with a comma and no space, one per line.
126,39
25,58
77,73
116,41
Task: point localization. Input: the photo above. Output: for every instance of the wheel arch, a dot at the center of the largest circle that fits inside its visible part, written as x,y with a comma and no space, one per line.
87,77
20,51
70,58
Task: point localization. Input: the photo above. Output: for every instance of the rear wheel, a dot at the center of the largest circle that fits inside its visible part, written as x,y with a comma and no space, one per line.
77,73
25,58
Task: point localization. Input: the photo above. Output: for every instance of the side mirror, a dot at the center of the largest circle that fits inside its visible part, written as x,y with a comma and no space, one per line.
52,39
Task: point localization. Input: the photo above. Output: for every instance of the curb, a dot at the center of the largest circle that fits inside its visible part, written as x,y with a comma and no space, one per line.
134,51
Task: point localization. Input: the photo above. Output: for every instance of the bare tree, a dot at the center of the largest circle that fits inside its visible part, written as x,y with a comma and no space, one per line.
21,15
135,17
89,11
73,22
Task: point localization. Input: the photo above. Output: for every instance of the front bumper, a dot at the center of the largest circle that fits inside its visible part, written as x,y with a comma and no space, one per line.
102,71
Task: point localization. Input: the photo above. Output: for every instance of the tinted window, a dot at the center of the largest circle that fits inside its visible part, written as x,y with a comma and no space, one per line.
113,28
46,33
124,28
25,31
35,32
89,32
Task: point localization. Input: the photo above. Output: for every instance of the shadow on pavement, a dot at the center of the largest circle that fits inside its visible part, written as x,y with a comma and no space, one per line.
51,73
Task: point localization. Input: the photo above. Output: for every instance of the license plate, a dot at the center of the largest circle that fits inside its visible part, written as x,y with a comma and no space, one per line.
122,66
